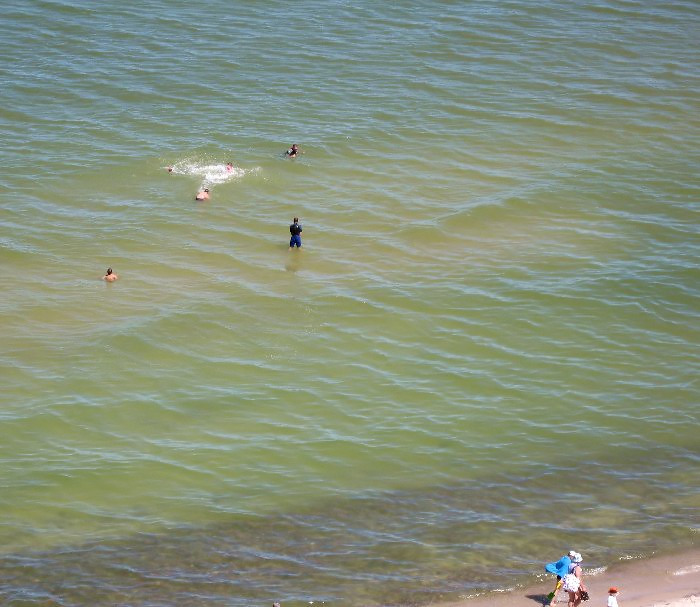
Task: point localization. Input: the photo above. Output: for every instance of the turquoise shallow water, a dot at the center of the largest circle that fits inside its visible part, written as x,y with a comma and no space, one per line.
485,354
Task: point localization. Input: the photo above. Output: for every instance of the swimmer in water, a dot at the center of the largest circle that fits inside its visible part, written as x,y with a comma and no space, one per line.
293,151
202,194
170,169
110,276
229,167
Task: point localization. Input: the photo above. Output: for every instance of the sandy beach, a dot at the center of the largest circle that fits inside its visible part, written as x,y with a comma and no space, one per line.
663,581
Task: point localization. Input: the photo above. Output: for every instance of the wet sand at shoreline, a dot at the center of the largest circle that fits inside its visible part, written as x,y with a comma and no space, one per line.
668,581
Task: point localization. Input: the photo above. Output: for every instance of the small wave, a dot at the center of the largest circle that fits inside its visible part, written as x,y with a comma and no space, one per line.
687,570
211,174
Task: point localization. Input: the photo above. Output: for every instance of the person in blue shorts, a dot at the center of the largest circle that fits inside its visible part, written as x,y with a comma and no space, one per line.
295,231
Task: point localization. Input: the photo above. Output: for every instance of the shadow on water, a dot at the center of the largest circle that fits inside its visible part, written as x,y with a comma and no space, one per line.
293,263
392,548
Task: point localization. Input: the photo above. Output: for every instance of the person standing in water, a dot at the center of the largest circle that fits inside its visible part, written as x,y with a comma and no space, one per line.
295,230
110,276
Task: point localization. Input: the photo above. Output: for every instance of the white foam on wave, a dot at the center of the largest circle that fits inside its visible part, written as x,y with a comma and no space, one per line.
211,174
687,570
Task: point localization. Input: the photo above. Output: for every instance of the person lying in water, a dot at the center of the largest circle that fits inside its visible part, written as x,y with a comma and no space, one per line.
202,194
294,151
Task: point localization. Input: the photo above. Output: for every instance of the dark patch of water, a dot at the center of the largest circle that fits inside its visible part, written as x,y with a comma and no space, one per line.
393,548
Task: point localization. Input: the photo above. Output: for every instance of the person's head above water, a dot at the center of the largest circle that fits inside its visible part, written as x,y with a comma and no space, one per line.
110,276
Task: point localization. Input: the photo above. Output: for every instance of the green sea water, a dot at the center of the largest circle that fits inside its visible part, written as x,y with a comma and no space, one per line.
485,354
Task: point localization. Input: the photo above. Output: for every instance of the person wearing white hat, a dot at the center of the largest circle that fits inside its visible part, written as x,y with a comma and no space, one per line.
573,581
560,568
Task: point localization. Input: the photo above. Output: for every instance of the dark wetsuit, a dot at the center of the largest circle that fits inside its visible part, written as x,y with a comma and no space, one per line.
295,231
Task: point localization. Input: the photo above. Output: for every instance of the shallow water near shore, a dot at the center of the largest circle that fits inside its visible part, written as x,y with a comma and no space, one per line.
485,354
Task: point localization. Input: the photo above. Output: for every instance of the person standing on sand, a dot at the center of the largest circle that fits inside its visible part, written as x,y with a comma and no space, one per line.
110,276
612,596
295,231
573,581
560,569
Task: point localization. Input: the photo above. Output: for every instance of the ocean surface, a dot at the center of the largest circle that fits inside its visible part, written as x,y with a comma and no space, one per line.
485,354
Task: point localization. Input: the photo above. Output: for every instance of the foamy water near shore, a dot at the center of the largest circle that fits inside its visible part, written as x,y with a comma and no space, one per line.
671,580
